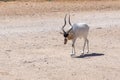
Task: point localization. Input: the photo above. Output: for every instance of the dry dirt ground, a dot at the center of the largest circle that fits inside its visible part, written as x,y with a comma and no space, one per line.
31,47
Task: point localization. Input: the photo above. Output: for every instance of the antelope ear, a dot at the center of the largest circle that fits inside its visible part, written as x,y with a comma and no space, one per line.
61,33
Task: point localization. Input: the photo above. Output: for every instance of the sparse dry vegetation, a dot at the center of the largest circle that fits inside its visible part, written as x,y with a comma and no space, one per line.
31,47
33,8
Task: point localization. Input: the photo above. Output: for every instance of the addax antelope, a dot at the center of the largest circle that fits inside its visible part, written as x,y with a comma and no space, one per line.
77,30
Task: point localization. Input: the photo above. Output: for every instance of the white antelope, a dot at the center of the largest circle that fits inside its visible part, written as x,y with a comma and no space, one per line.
77,30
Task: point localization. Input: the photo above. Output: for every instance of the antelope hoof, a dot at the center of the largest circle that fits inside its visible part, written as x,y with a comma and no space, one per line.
87,52
72,54
82,54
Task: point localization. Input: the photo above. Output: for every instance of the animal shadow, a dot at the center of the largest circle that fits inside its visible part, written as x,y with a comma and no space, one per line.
88,55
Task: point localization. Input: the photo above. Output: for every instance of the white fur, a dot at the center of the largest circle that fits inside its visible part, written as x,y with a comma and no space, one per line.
80,30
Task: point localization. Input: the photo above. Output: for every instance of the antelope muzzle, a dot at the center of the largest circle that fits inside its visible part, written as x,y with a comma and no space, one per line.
65,41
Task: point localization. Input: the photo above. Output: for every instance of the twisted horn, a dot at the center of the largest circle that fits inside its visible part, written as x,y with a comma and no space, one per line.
64,24
70,21
70,25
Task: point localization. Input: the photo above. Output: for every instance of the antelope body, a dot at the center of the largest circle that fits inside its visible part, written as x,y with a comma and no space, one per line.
77,30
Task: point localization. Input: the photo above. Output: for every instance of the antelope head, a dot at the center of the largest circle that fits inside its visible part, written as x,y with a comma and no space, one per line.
66,33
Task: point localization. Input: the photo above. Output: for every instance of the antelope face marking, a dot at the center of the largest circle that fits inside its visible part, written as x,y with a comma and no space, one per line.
66,34
65,38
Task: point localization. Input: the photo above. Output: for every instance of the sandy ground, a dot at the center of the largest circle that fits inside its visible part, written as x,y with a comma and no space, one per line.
31,47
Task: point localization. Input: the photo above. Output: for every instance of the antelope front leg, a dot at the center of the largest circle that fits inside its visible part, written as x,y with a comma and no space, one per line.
87,46
73,47
84,46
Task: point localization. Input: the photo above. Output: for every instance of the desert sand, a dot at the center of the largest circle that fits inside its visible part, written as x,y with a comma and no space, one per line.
32,48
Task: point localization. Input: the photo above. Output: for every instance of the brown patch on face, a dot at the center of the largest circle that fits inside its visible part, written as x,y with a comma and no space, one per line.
70,36
65,41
